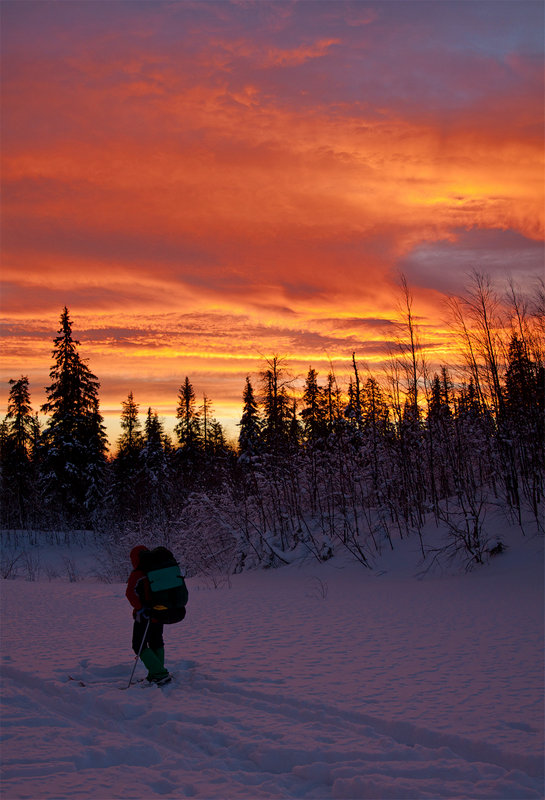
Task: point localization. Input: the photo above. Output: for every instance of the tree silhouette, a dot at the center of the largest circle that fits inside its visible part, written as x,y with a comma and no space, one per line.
74,439
249,438
18,446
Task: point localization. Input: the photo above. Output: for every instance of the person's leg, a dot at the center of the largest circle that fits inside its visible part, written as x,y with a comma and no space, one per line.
155,670
155,635
138,633
156,642
160,653
153,655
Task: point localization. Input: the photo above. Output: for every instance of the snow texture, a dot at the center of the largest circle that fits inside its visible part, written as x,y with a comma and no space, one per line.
305,682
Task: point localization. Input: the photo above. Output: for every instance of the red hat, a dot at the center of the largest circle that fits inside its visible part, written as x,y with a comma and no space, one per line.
135,554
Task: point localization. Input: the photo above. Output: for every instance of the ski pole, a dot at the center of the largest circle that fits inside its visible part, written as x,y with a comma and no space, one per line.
139,651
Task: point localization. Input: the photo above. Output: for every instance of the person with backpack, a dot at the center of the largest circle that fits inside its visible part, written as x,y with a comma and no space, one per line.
139,595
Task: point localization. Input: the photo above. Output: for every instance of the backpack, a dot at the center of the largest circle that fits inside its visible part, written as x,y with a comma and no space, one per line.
168,593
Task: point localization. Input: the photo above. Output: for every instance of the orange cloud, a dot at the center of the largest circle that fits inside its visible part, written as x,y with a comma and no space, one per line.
200,188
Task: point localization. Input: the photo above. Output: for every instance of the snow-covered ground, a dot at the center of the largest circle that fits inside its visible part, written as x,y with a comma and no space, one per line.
321,681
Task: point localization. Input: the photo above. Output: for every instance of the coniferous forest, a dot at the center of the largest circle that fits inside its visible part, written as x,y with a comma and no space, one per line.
317,470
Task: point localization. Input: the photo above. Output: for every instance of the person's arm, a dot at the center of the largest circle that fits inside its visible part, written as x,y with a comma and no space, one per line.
131,593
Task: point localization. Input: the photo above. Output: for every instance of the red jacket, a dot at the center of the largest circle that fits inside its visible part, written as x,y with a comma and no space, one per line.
138,584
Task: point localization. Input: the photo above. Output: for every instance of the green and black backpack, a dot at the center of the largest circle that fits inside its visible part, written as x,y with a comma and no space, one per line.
168,591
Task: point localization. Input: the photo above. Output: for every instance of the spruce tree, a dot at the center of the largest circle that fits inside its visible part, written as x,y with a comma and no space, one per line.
96,445
313,412
276,406
374,407
4,435
17,451
130,441
522,424
249,438
439,437
126,465
522,390
153,453
188,427
75,440
154,485
217,441
20,417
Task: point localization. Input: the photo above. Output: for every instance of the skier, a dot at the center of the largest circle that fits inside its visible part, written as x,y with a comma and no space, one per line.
153,649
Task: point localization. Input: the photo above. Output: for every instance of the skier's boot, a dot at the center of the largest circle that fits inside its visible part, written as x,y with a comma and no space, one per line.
156,671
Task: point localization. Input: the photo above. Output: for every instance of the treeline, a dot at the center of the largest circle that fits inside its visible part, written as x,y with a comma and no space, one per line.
353,467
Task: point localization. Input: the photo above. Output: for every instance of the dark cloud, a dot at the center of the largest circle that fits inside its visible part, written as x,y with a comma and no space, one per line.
17,331
445,265
92,239
33,299
356,322
315,343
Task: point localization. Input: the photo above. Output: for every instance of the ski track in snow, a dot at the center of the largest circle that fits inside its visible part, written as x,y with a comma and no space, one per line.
288,701
236,743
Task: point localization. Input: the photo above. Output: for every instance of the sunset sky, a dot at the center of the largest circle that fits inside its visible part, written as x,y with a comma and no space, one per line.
207,183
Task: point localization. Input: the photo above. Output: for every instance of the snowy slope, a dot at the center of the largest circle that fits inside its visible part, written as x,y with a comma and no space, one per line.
319,682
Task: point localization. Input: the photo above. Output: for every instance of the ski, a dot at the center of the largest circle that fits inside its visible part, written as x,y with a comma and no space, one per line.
143,682
86,683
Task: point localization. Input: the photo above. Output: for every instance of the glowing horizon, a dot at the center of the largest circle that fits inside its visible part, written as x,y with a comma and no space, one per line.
204,183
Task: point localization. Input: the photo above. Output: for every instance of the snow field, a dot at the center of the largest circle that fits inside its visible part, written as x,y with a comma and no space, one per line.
314,682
